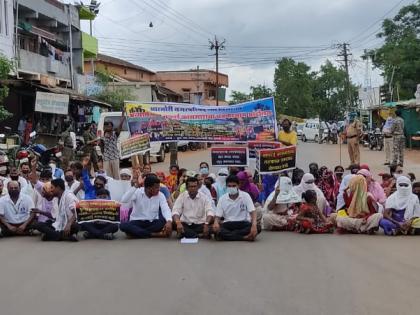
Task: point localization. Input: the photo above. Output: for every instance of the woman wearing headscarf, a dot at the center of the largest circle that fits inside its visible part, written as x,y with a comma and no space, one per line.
329,187
279,207
268,184
308,183
402,210
220,184
246,186
341,204
374,188
361,215
339,173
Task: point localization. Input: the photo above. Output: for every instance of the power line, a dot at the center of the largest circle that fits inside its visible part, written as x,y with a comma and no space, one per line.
376,22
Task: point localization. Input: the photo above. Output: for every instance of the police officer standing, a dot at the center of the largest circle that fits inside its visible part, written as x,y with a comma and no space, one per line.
397,131
353,133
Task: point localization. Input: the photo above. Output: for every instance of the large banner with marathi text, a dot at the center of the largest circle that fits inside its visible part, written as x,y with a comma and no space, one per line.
250,121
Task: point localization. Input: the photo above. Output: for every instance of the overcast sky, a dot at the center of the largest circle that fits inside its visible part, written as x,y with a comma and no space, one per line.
256,33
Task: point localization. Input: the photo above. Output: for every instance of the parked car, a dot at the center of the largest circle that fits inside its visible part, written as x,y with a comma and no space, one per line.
299,130
157,148
311,130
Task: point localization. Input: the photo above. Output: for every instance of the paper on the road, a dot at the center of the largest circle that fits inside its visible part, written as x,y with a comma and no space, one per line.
189,240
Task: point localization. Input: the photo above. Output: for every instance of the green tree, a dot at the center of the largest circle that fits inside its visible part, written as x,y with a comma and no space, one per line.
238,97
260,91
293,87
5,68
115,96
399,56
330,92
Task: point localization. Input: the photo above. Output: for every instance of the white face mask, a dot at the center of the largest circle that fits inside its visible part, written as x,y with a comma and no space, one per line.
232,190
52,165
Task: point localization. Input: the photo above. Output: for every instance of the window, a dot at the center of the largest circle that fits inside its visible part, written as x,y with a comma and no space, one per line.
142,75
212,93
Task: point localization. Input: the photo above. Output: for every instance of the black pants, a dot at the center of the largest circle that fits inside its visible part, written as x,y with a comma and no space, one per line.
142,229
99,229
235,231
51,234
7,233
192,231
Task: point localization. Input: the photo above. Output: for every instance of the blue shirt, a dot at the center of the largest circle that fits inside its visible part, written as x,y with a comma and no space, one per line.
90,191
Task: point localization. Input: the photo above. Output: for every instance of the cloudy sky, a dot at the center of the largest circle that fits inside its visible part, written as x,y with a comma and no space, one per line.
256,33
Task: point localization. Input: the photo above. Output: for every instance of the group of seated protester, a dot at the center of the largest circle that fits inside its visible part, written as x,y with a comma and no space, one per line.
232,205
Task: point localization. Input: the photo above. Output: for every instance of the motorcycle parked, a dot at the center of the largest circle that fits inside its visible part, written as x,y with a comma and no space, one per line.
376,140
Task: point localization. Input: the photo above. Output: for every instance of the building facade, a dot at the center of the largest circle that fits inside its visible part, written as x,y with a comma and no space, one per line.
195,86
119,69
6,28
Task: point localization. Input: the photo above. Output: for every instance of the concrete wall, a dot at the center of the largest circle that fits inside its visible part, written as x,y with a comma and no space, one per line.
126,73
54,10
6,28
142,92
33,63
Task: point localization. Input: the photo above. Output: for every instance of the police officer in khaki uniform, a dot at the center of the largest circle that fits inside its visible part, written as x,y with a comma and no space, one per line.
353,133
397,131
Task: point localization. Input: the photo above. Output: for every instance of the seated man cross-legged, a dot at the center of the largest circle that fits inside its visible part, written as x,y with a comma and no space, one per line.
151,215
100,229
238,211
192,212
16,217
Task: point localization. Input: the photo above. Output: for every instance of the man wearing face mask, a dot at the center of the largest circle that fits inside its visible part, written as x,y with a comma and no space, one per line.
287,136
74,185
238,211
192,212
14,176
98,183
15,212
151,215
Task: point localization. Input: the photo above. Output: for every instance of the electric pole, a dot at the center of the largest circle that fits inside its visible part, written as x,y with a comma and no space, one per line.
344,52
216,45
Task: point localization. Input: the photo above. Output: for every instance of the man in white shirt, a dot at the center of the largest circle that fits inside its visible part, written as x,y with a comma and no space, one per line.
151,215
65,227
238,211
192,212
15,211
73,185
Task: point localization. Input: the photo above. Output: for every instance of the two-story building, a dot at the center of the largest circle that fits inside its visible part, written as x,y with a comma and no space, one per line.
196,86
137,79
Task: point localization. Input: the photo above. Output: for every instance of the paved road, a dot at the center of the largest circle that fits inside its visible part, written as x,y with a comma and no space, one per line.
281,273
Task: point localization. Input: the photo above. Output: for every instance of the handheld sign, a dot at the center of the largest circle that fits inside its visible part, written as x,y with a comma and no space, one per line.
138,144
98,210
229,156
254,146
276,160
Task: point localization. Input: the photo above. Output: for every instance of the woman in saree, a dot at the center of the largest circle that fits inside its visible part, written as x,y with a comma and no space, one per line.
361,210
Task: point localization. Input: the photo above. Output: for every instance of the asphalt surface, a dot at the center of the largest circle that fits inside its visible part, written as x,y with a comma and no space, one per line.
280,273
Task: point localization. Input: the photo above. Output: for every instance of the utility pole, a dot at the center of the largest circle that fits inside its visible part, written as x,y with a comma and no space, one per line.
198,86
217,45
344,52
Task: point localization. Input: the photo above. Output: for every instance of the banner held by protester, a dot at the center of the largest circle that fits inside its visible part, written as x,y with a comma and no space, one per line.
255,120
271,161
229,156
138,144
254,146
98,210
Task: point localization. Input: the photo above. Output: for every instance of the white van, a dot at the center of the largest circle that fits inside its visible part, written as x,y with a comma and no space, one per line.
311,130
157,148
